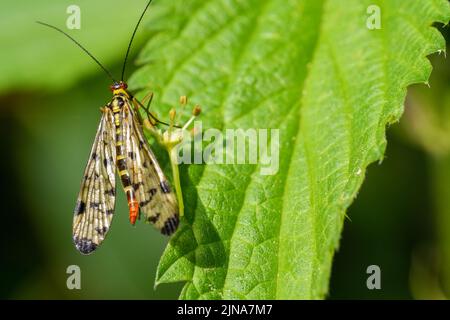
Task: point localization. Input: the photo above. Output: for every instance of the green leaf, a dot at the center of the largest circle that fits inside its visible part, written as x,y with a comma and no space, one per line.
315,71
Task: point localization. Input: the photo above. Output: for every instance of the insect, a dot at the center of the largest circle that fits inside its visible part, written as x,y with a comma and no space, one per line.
120,146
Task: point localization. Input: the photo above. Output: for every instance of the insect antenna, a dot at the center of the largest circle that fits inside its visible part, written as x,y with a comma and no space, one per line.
132,38
79,45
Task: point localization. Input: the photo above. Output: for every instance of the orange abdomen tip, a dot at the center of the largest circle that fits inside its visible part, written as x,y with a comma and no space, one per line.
134,211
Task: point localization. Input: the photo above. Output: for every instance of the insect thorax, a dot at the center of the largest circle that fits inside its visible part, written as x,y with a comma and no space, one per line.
120,98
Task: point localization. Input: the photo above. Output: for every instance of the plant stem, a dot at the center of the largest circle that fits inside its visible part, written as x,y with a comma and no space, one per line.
176,178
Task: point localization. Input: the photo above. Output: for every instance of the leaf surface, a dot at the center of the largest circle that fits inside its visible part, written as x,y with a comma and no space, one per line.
311,69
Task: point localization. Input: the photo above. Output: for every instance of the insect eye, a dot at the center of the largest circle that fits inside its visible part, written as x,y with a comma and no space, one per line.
114,86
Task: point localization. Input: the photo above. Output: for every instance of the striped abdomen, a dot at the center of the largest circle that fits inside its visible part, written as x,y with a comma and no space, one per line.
121,160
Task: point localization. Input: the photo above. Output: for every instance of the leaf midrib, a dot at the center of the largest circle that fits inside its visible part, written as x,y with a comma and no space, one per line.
295,108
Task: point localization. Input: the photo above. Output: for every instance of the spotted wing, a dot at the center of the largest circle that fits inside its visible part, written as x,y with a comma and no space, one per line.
157,202
96,200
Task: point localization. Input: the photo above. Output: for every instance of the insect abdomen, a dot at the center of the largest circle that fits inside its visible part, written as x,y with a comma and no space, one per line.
121,162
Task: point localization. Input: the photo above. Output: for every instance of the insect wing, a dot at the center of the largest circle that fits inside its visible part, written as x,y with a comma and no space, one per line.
157,201
96,200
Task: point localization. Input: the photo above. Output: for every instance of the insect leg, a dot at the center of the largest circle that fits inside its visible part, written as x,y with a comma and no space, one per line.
152,119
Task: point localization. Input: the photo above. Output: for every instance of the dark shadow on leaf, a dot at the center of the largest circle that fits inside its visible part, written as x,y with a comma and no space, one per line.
198,239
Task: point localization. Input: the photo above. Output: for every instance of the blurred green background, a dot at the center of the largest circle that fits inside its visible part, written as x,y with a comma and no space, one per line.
50,94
